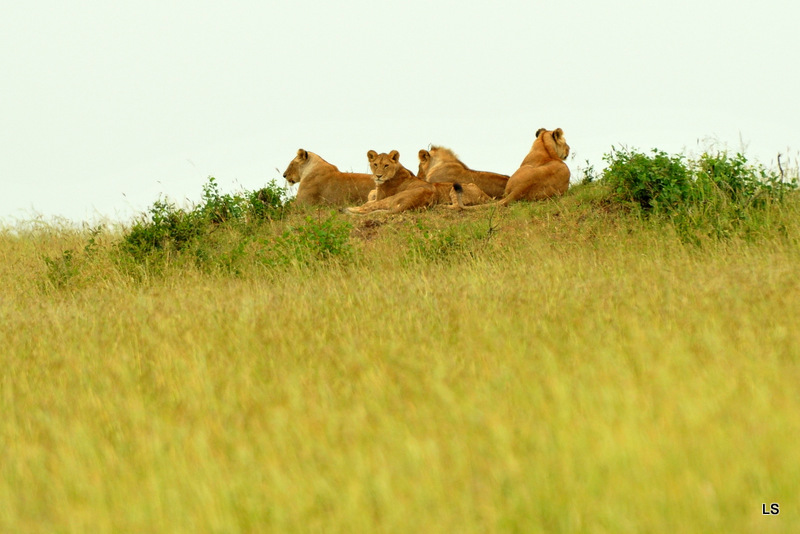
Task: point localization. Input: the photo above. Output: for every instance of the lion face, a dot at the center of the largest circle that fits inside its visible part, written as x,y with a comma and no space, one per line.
383,166
554,142
294,171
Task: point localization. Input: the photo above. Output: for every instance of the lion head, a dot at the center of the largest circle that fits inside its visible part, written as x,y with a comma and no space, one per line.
553,142
294,172
424,163
435,156
384,166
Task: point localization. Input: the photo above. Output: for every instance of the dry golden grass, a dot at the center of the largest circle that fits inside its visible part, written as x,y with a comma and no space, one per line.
578,371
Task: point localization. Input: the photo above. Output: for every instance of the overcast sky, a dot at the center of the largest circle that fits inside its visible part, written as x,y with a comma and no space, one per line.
106,105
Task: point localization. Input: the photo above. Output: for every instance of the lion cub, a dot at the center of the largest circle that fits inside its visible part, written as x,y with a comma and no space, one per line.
397,189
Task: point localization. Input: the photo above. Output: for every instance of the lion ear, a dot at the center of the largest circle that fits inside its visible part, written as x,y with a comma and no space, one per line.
557,133
302,153
539,132
424,155
394,155
372,155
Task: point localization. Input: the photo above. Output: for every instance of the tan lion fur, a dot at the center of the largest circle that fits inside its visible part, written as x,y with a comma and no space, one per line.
397,189
323,183
440,164
542,174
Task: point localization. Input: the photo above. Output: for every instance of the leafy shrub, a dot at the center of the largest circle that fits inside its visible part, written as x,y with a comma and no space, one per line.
267,203
715,195
166,228
659,180
737,179
730,176
218,207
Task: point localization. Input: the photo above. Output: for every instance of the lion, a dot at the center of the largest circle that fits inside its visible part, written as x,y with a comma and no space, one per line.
440,164
323,183
542,174
397,189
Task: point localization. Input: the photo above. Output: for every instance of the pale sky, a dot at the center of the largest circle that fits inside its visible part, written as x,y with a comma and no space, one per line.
106,105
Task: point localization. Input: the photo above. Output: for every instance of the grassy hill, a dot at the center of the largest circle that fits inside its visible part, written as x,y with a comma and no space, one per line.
580,364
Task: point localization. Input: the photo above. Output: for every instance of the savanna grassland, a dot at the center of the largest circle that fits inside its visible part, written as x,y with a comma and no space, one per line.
584,364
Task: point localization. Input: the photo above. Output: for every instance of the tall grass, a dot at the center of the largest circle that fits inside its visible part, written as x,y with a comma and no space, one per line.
565,366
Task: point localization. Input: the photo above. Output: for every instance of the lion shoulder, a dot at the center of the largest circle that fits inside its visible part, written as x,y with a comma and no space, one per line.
440,164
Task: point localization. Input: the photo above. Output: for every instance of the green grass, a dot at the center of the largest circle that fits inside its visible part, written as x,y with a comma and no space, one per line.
566,366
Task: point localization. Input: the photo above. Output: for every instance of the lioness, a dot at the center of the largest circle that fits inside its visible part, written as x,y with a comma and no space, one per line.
323,183
543,173
440,164
397,189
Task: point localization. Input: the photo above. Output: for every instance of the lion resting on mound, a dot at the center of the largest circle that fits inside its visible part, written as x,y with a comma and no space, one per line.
440,164
397,189
543,173
323,183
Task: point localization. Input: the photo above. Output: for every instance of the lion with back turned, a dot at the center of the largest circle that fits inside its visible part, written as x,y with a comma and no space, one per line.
542,174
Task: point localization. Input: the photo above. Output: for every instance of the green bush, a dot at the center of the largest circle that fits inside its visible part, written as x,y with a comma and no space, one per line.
658,181
732,177
218,207
715,195
165,228
737,179
267,203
